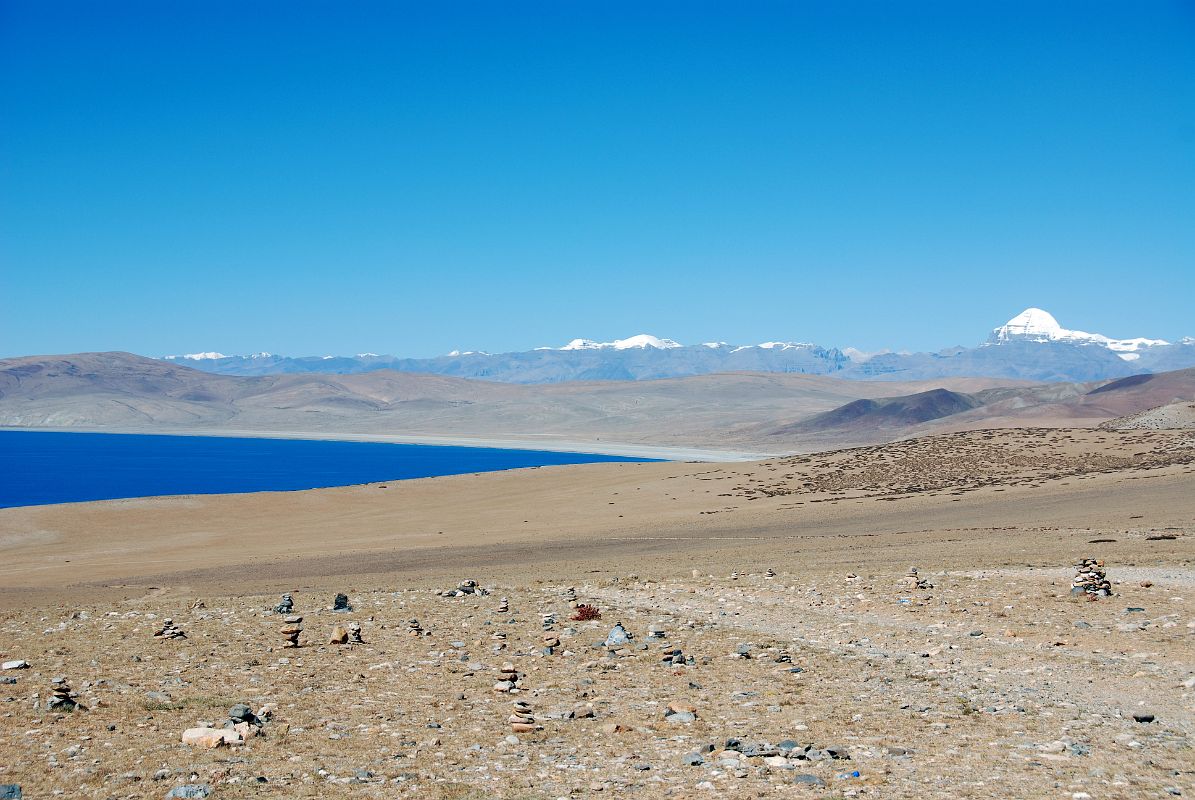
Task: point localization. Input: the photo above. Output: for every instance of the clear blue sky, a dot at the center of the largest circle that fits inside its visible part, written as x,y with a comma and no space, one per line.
311,178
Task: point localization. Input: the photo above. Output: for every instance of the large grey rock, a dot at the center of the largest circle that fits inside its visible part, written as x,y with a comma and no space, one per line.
189,791
617,637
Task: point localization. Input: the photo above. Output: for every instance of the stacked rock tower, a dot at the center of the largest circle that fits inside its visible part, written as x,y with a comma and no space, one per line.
1091,580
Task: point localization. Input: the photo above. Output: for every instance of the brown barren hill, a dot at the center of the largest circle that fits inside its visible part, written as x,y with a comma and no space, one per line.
119,391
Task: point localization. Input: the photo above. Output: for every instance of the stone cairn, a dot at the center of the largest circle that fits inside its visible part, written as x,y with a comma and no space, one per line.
769,573
509,679
242,720
655,631
503,606
784,657
734,575
499,638
414,628
341,603
548,619
570,597
286,606
355,633
1091,580
465,587
292,627
551,642
61,696
170,630
522,720
912,580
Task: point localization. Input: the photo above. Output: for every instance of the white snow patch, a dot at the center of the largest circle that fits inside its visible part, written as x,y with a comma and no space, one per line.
862,356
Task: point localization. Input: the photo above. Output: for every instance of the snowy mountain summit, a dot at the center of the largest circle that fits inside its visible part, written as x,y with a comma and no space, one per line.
641,342
1036,325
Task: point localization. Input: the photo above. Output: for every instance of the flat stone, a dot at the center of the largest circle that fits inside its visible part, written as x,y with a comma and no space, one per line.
692,760
18,664
809,780
189,791
1143,717
10,791
680,716
211,737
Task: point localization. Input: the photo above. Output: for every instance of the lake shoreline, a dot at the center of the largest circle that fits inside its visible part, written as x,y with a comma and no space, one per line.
546,444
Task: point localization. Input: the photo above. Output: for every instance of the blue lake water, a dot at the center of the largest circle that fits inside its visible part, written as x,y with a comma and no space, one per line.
40,467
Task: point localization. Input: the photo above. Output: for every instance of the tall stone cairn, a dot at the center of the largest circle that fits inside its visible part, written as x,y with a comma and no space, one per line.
1091,580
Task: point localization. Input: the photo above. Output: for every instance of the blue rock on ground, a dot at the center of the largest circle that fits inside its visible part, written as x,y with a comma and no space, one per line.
10,791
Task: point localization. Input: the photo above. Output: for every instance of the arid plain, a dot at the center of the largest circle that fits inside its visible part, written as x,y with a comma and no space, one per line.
989,680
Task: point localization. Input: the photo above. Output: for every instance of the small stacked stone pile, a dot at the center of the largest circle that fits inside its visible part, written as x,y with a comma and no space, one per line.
770,573
784,657
170,630
341,603
675,658
414,628
734,575
355,633
548,620
570,597
61,696
286,606
293,626
913,580
551,642
503,606
522,720
655,631
465,587
509,680
242,720
1091,580
499,638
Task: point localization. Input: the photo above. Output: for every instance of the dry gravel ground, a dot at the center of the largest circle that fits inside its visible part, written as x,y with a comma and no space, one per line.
992,683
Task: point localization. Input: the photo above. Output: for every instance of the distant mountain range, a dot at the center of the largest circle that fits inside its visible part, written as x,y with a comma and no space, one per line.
738,412
1030,346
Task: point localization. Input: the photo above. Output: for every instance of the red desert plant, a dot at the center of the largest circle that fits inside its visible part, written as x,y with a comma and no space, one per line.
586,611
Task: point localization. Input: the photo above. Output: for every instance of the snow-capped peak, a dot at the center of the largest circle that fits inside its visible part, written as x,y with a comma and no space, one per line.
197,356
641,341
1033,323
1036,325
862,356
